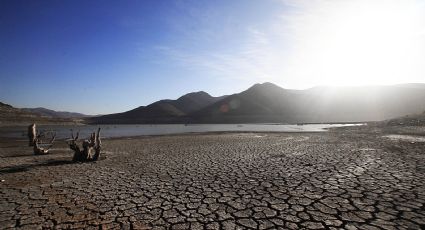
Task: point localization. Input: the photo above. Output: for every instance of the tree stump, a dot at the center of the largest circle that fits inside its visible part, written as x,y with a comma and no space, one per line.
35,140
90,148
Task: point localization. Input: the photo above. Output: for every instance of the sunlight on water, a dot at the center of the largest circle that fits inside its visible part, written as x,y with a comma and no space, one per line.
406,138
141,130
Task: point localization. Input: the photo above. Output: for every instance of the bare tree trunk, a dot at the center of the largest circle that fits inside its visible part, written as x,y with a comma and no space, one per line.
91,147
97,146
32,133
34,139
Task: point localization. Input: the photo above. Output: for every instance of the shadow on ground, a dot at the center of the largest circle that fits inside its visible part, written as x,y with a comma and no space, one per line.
27,167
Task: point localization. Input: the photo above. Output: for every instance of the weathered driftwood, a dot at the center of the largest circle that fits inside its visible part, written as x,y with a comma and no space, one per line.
32,133
35,140
91,147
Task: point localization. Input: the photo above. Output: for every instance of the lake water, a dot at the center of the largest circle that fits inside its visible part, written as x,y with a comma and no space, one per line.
410,138
63,132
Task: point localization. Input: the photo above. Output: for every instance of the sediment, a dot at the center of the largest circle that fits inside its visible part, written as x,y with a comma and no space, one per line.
338,179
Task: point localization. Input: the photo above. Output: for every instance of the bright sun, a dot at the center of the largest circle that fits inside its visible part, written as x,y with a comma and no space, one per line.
360,42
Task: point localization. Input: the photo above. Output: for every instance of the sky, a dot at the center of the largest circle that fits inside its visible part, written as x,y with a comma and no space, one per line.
98,57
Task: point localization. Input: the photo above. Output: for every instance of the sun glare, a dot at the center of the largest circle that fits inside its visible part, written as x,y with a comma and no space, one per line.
362,42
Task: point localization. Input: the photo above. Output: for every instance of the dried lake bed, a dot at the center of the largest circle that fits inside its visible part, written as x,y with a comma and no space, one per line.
351,179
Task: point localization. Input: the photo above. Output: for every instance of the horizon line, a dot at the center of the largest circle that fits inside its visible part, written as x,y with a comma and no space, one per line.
309,88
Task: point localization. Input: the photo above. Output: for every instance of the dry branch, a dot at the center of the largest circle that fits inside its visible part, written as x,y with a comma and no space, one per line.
90,148
35,140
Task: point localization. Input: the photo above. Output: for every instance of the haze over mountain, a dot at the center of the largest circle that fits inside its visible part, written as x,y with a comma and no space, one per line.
10,115
408,120
267,102
54,114
163,111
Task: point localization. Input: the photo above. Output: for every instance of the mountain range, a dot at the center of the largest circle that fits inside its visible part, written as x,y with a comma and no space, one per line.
261,103
54,114
163,111
10,115
269,103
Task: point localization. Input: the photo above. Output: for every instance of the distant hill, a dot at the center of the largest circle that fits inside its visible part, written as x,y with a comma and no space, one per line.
163,111
409,120
15,116
269,103
3,105
54,114
260,103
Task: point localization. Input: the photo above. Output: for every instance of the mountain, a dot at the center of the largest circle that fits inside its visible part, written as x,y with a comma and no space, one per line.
15,116
409,120
269,103
260,103
163,111
54,114
4,105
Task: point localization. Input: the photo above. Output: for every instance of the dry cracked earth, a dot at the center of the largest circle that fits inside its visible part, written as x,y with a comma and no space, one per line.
334,180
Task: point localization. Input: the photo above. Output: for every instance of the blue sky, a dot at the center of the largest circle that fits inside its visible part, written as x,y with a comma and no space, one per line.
99,57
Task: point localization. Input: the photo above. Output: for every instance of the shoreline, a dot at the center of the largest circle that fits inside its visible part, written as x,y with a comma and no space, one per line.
393,130
108,131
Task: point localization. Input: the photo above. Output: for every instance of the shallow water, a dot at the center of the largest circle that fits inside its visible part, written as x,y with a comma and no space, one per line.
64,131
406,138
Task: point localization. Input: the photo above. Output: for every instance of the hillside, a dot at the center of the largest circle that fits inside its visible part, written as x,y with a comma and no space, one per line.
270,103
260,103
408,120
163,111
14,116
53,113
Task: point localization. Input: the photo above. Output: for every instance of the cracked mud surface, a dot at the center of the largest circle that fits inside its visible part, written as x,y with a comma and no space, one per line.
219,181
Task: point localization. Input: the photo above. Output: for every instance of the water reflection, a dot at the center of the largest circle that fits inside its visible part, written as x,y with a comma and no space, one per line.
140,130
